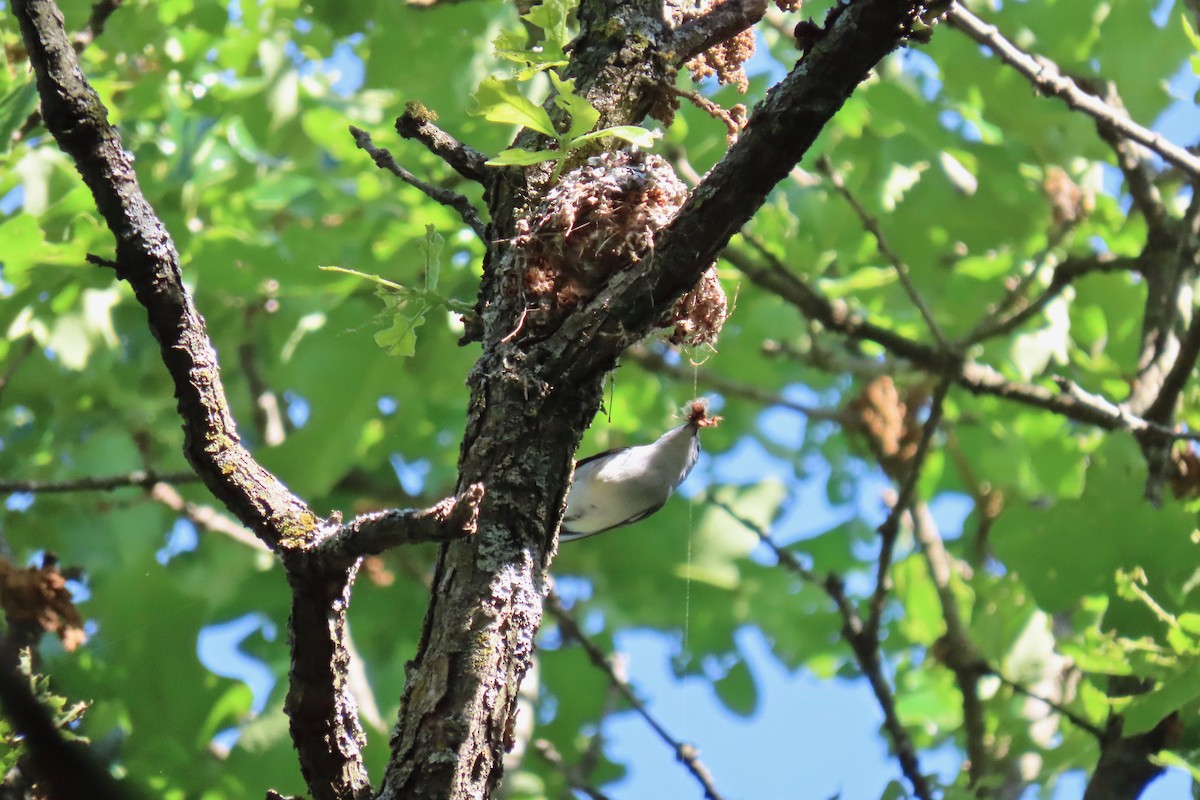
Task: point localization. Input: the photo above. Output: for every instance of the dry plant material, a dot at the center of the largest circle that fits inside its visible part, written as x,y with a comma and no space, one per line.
1068,201
697,414
38,596
1185,477
601,219
888,418
698,316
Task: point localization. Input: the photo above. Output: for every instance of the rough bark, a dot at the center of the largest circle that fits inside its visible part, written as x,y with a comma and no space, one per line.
533,395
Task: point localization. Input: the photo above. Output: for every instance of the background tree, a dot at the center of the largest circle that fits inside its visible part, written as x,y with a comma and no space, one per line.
949,293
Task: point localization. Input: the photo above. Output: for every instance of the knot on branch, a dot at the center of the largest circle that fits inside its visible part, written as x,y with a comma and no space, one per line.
460,513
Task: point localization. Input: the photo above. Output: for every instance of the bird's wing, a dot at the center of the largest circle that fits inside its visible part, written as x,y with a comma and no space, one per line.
604,454
565,534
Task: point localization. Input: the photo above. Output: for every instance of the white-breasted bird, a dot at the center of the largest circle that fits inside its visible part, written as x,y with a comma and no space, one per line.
619,487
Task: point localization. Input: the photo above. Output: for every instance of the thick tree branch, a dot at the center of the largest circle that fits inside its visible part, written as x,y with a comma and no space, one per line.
148,260
1049,80
384,160
779,132
1125,766
62,769
532,395
685,753
321,709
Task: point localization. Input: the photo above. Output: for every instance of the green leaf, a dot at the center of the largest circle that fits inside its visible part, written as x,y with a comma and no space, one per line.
500,101
581,113
1147,710
431,249
552,17
738,690
400,339
15,108
517,157
1192,37
630,133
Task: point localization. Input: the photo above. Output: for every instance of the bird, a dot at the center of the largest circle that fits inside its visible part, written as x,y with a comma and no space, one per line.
619,487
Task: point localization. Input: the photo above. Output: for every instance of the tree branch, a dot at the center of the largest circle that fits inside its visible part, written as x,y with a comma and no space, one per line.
373,533
533,395
1080,722
384,160
63,769
731,388
1065,274
1071,402
570,774
955,649
721,21
864,647
889,531
825,167
685,753
417,123
148,260
204,517
144,479
1146,197
15,361
1049,80
779,132
321,709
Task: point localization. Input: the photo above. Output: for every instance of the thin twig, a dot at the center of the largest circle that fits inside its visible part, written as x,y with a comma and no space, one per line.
1065,274
417,123
685,753
139,478
384,160
1078,721
204,517
1049,80
726,386
890,529
862,644
734,122
973,376
18,358
957,651
872,226
570,774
